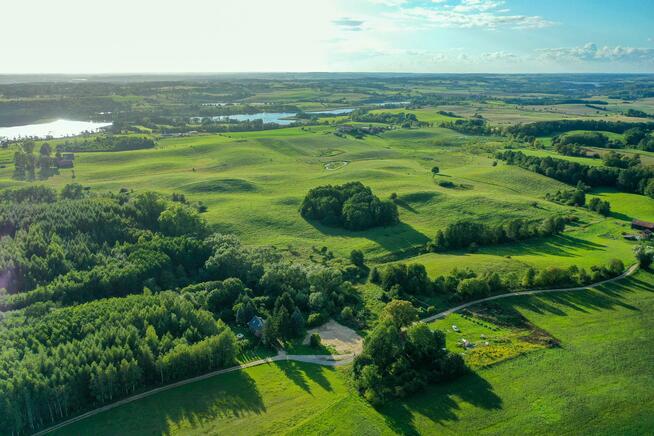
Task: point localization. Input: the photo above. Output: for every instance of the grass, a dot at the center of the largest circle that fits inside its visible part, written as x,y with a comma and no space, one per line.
254,182
598,381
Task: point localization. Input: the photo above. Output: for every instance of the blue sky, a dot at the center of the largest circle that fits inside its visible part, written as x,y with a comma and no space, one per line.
92,36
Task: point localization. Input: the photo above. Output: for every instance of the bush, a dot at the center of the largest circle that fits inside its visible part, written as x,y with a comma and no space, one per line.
315,319
356,257
314,340
644,255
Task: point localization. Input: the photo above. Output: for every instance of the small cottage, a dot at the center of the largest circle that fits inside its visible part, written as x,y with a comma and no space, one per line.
644,226
256,325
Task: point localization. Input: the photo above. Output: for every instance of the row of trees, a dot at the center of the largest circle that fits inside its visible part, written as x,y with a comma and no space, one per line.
27,164
402,119
107,143
467,234
636,179
352,206
549,128
401,281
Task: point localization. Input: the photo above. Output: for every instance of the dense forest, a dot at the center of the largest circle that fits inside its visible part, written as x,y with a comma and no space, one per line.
109,294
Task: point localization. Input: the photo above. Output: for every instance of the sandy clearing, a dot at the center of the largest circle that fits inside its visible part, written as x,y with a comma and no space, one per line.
343,339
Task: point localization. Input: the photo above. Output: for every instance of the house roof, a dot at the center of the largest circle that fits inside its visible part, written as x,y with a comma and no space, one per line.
643,224
256,323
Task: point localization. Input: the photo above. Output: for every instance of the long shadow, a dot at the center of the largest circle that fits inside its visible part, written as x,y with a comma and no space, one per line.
404,205
621,216
400,239
299,373
230,395
294,373
606,297
561,245
438,403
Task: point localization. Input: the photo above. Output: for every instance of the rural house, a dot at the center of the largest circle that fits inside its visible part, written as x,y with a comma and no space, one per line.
256,325
643,226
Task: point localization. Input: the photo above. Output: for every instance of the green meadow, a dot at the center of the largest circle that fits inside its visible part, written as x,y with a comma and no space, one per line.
254,182
597,380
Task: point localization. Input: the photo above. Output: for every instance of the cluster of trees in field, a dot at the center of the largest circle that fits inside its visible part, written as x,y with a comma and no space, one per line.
352,206
639,137
55,363
577,197
619,160
400,358
636,179
572,150
402,281
405,120
27,164
107,143
644,253
472,126
637,114
586,139
470,234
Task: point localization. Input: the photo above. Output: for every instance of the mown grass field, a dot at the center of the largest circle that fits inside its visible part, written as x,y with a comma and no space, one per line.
599,380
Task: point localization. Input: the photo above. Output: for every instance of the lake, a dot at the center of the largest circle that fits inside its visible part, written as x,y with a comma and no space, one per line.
281,118
55,129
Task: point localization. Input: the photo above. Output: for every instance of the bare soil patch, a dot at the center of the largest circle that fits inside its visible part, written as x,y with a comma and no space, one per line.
342,338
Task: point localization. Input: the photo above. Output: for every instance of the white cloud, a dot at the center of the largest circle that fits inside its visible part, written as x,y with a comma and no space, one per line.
349,24
592,53
390,3
469,14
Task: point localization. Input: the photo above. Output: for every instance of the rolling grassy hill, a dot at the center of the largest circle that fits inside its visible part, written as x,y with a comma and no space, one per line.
254,182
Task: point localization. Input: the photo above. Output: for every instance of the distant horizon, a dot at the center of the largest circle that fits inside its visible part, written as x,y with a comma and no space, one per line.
417,36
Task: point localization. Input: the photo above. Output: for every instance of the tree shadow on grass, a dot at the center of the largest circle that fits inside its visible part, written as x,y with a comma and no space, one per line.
301,373
439,403
621,216
605,297
560,245
404,205
401,239
222,397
